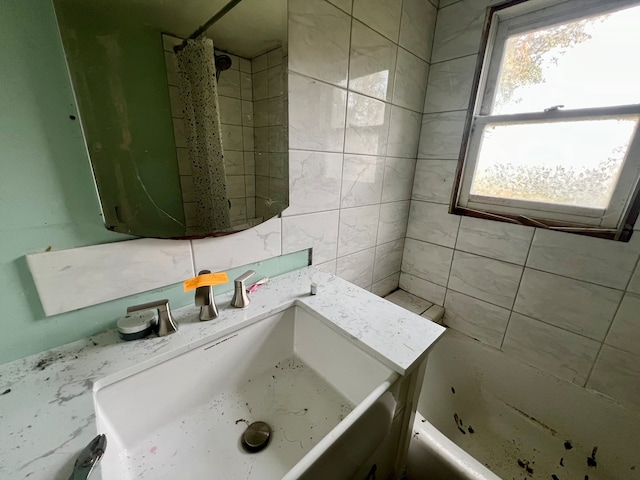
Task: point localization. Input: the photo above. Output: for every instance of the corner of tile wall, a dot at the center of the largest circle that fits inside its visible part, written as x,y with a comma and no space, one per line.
351,178
557,301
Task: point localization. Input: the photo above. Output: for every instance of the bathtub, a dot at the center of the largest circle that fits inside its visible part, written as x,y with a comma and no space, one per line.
483,415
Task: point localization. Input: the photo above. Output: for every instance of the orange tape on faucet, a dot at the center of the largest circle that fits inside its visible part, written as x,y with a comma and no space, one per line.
205,280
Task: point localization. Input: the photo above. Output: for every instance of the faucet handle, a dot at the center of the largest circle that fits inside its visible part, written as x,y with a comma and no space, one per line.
240,298
166,323
206,301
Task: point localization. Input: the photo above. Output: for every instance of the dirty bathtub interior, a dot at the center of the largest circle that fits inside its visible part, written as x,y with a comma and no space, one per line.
483,415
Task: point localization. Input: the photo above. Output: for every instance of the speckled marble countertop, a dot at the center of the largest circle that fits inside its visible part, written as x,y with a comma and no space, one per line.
46,410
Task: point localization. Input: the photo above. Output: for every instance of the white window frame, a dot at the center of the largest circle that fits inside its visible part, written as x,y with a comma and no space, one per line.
504,21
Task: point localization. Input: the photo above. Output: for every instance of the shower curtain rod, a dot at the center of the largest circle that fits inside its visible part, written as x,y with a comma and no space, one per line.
203,28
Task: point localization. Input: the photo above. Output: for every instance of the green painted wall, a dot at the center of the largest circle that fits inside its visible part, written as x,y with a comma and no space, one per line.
47,197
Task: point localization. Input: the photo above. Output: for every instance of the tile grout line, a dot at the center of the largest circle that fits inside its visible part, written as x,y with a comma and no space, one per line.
346,89
344,137
384,170
511,310
524,265
613,318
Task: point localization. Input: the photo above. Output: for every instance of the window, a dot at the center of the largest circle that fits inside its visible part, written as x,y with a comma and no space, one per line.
552,140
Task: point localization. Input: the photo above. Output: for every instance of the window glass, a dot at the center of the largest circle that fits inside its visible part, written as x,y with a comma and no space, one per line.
568,163
589,62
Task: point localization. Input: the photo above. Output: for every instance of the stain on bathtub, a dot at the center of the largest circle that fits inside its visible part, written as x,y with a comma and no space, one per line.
453,390
554,477
562,461
470,429
567,445
591,461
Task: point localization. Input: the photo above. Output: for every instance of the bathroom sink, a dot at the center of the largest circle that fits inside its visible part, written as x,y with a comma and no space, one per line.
184,417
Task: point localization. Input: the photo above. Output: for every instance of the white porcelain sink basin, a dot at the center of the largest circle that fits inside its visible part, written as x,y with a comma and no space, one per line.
184,418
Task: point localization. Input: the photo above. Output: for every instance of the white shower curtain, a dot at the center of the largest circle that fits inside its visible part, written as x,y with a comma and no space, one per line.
199,95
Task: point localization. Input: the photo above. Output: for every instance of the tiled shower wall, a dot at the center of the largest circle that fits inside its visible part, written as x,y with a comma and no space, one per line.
356,91
271,121
564,303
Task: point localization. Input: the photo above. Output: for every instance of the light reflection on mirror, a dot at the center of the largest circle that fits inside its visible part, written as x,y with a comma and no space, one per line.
124,72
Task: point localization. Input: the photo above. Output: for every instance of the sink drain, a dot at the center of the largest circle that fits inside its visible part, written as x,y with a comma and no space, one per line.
256,437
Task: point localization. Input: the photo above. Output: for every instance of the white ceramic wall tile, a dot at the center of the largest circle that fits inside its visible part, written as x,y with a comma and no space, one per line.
245,65
246,86
411,81
617,375
316,115
230,110
329,267
229,84
417,27
381,15
316,230
71,279
176,104
357,267
248,246
433,180
432,222
441,135
449,86
247,113
388,259
372,64
274,57
260,85
231,136
559,352
275,78
178,133
634,283
484,278
422,288
367,125
361,180
261,113
314,182
427,261
409,301
404,133
577,306
235,186
393,221
386,285
319,40
499,240
358,229
345,5
184,161
458,30
259,63
187,188
625,330
398,179
480,320
604,262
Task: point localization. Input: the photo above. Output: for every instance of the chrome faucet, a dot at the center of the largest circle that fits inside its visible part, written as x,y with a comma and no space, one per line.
240,298
206,301
166,324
